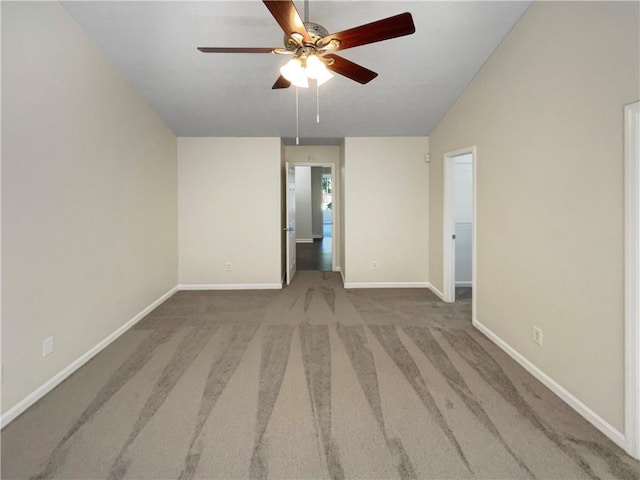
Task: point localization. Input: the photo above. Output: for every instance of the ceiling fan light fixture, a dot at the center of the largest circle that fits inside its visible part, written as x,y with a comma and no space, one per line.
301,82
324,76
317,69
308,39
315,66
295,73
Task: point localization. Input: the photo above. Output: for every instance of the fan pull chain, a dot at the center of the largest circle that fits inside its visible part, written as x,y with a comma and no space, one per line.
297,128
317,103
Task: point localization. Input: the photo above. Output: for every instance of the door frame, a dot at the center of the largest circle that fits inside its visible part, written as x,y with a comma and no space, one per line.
632,277
448,225
334,202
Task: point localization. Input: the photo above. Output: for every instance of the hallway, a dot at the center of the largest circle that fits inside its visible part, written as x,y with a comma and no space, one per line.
316,255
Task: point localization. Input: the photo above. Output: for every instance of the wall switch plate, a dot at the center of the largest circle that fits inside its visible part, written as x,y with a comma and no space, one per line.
228,266
47,346
537,335
374,265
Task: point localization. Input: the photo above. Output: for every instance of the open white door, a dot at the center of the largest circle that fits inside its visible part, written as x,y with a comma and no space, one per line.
291,222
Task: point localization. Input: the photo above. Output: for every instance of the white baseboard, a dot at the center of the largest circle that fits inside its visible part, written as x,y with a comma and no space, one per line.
304,240
386,285
318,236
232,286
592,417
342,275
463,284
59,377
336,269
436,291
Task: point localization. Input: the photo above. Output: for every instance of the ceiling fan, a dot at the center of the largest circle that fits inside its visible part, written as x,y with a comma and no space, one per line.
312,46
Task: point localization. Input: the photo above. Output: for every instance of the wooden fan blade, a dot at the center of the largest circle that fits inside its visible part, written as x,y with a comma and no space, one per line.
385,29
285,13
281,82
350,70
235,50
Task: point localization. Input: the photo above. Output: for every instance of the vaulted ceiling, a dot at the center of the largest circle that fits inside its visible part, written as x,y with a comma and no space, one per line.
154,45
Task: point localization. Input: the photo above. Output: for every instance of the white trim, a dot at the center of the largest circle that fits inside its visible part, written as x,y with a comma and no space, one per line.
435,290
304,240
316,236
335,205
387,285
231,286
59,377
474,234
310,164
596,420
465,283
632,277
342,275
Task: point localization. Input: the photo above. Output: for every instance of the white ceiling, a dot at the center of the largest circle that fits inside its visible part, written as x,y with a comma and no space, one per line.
153,43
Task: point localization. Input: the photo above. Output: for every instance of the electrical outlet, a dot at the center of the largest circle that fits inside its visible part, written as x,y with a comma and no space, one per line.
374,265
228,266
537,335
47,346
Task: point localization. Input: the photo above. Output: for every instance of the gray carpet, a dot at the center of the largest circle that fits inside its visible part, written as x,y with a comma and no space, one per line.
309,382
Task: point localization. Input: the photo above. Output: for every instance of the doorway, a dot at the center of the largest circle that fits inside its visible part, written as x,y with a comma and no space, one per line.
314,217
459,225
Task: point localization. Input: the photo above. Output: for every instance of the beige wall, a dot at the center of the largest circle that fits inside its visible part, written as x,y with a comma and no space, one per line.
229,203
386,210
545,113
316,201
304,224
89,199
325,154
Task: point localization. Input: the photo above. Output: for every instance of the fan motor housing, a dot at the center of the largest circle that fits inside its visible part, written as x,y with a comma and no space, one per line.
316,32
